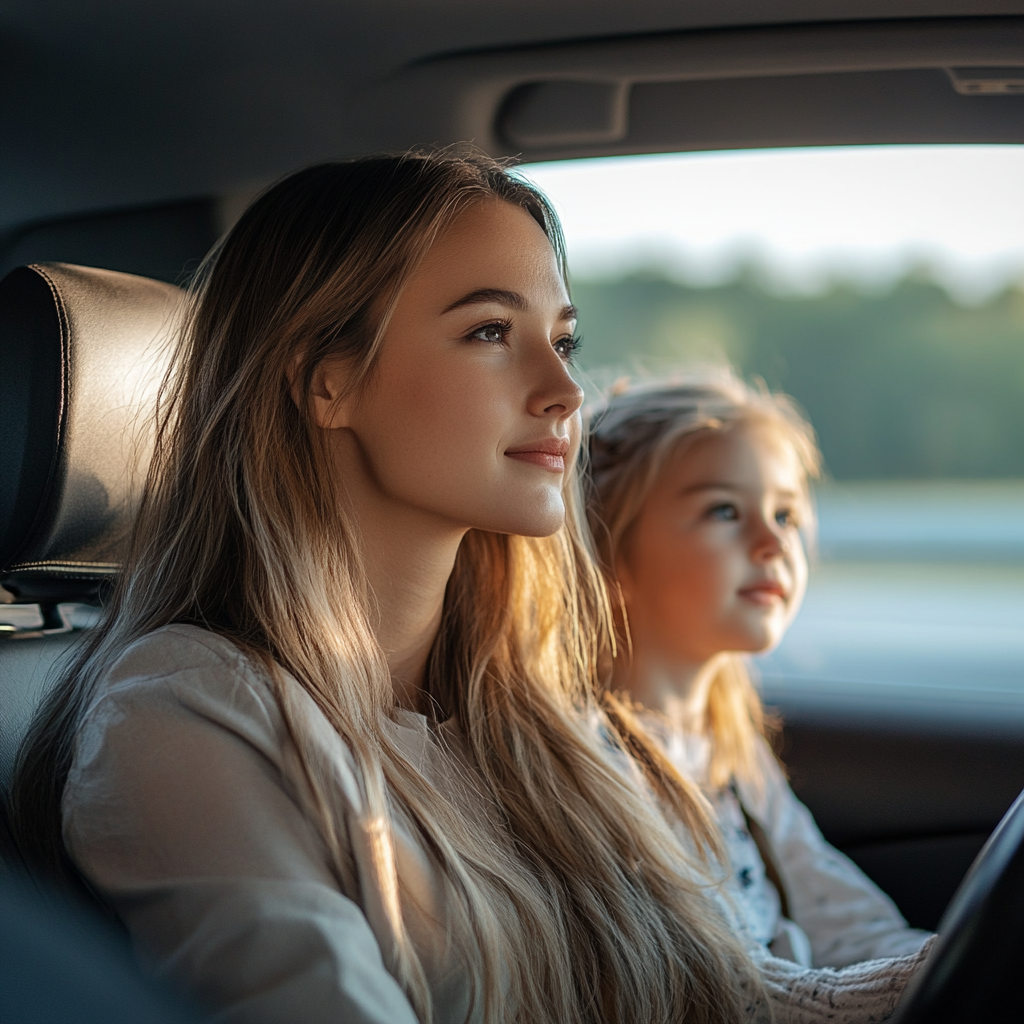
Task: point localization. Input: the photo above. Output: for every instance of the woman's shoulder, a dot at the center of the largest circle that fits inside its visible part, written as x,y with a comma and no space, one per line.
179,647
182,668
185,689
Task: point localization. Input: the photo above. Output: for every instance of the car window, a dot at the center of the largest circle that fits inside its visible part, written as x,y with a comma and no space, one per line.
883,287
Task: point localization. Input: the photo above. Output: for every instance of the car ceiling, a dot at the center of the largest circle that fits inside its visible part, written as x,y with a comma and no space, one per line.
110,104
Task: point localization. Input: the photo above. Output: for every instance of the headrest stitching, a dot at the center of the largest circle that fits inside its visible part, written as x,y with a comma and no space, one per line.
65,347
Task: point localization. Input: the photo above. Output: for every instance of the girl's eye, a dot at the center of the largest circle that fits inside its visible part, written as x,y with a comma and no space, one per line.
568,347
493,334
725,513
787,517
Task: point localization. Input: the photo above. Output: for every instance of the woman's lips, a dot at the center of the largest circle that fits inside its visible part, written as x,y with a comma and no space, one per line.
767,593
556,463
548,454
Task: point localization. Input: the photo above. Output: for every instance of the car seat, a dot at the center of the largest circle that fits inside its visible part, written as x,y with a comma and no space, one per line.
82,352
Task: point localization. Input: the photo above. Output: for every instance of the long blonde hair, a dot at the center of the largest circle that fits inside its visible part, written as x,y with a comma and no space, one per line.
632,435
590,909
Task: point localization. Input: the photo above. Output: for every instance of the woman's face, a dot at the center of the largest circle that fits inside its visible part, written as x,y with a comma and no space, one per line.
471,416
715,561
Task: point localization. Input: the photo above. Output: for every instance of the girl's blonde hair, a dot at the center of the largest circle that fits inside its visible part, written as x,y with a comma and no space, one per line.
632,435
589,909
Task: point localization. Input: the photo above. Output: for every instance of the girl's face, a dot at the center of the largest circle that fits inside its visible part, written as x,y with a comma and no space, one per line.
715,561
472,417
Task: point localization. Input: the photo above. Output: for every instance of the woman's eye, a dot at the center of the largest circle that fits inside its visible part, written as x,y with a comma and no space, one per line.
568,347
726,512
494,334
787,517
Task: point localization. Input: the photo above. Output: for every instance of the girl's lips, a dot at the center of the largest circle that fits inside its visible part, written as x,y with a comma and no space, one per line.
767,593
548,454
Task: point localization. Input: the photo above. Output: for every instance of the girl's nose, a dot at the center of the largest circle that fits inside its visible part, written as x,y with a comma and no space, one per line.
769,541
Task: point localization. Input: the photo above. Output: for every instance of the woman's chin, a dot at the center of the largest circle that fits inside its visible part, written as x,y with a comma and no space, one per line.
532,522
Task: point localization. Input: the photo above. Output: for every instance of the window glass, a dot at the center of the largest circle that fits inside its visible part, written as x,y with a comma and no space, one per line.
883,287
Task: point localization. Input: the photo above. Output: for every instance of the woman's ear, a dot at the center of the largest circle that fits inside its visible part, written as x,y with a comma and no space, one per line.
326,388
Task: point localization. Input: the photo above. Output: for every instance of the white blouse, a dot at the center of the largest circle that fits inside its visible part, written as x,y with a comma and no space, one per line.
186,809
839,916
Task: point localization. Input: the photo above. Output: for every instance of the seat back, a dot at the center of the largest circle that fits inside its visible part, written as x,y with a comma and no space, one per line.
82,354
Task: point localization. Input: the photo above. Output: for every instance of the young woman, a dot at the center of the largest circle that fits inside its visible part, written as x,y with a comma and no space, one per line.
699,507
336,752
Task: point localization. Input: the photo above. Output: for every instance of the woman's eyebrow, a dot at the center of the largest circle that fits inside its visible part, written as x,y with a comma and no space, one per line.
499,295
504,297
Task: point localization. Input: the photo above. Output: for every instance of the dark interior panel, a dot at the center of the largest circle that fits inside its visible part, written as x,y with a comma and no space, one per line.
920,875
865,786
911,806
165,242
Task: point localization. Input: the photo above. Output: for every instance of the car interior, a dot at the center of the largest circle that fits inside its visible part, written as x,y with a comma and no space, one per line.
135,135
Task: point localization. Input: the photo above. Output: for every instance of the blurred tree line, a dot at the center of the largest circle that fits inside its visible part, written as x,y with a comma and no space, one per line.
904,383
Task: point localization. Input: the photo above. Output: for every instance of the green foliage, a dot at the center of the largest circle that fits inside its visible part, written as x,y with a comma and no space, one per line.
903,384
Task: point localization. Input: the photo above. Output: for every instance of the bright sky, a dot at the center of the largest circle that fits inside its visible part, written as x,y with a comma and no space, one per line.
864,212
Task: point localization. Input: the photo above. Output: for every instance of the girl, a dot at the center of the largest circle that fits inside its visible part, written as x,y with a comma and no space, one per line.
335,753
699,507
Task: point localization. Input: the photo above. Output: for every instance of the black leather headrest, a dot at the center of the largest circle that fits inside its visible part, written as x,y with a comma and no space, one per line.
82,354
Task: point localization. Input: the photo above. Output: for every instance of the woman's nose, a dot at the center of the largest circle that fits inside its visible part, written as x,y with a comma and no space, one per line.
557,393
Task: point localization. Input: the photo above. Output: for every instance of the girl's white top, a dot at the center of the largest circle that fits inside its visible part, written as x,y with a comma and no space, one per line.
186,808
839,916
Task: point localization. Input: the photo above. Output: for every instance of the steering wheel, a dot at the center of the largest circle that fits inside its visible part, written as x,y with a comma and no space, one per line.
973,973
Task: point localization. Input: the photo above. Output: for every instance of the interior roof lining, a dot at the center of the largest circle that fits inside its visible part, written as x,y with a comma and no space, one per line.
459,98
759,50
